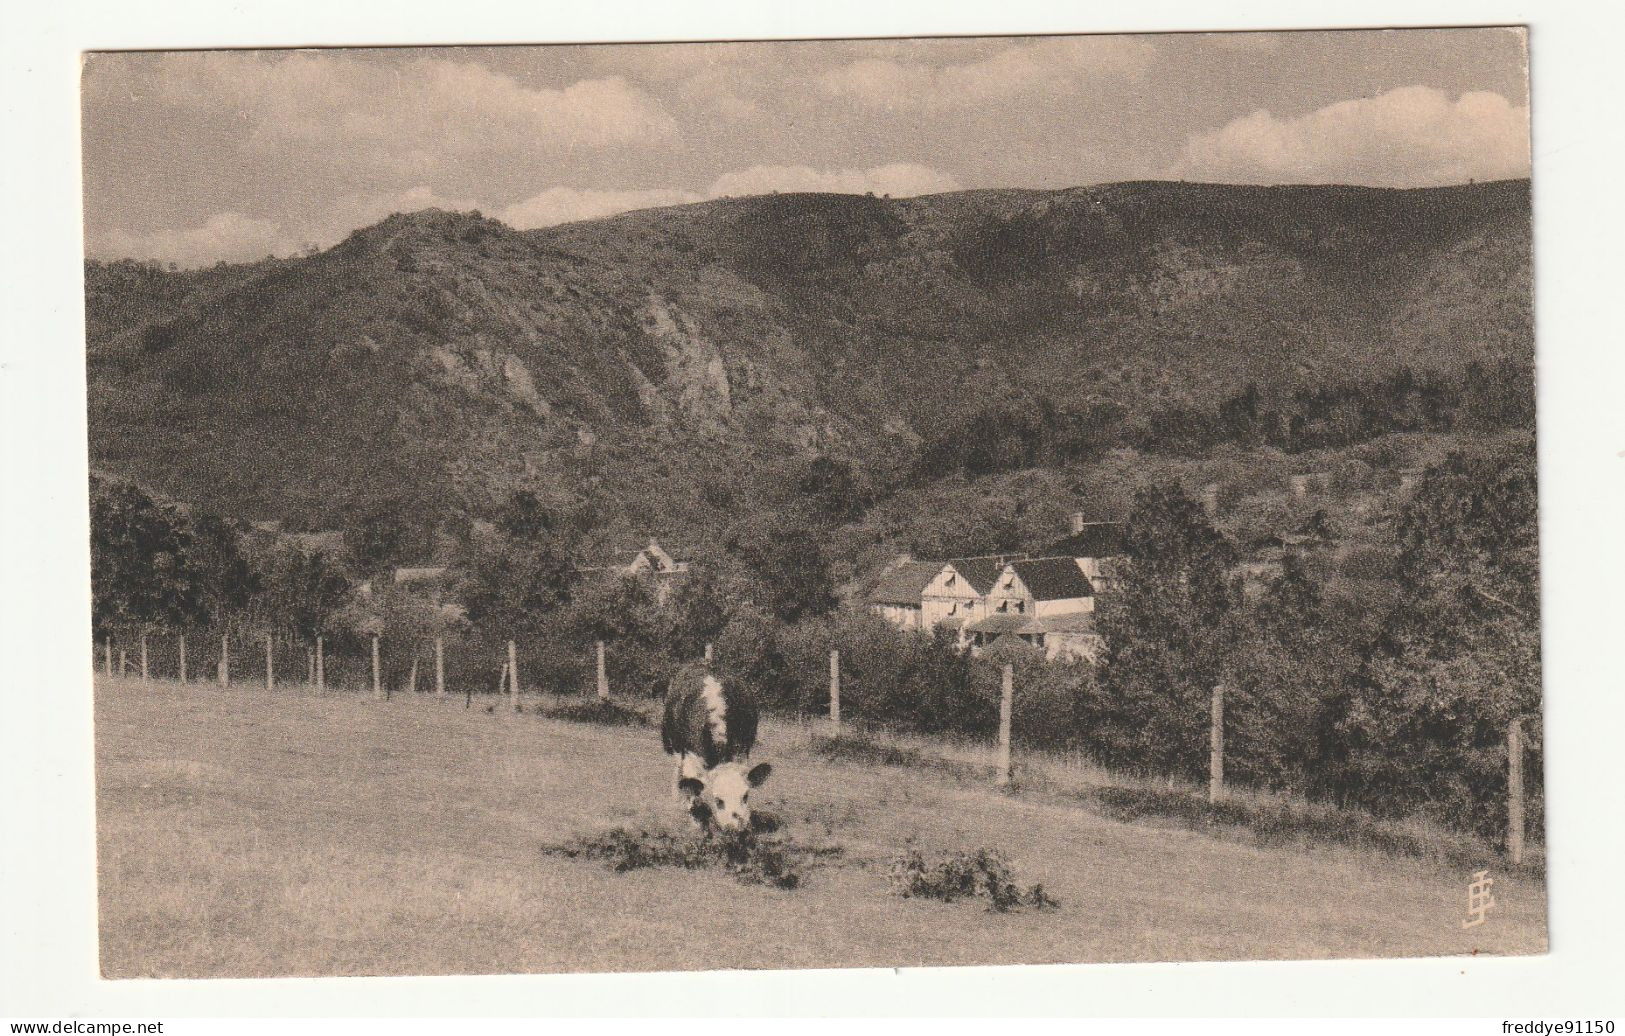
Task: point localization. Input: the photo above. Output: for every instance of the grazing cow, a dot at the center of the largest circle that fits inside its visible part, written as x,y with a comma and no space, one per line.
711,727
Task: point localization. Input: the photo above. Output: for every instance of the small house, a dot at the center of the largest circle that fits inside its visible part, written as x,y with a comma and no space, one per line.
1046,602
957,595
899,595
652,562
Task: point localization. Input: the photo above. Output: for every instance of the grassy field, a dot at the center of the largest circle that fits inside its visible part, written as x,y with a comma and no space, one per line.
243,833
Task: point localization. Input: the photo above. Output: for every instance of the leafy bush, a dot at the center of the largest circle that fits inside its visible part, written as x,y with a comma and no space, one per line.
848,748
965,875
604,713
752,860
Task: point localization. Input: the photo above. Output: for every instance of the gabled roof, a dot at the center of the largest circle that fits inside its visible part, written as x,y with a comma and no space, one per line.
1053,579
905,583
1096,540
652,559
980,573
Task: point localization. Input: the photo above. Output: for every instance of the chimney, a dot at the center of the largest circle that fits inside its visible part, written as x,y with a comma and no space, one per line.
1077,522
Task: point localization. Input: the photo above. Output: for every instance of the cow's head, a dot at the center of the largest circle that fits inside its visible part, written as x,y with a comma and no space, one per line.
721,795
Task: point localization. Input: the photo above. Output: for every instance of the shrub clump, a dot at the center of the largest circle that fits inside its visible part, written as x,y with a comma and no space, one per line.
1274,823
751,860
604,713
965,875
851,748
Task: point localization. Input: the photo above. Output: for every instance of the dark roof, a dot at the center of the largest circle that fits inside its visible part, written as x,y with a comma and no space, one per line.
980,573
1068,622
1097,540
1053,579
905,583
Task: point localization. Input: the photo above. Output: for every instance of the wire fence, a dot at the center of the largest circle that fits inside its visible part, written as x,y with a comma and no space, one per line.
482,666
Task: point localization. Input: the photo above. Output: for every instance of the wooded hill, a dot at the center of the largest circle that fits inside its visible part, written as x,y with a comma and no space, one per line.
660,369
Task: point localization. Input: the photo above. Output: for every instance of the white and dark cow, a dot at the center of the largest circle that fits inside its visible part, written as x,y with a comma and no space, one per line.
710,726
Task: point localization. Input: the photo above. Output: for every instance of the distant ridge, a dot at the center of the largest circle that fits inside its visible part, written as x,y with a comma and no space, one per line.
445,359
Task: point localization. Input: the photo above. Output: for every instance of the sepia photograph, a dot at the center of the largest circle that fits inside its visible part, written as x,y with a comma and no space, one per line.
813,504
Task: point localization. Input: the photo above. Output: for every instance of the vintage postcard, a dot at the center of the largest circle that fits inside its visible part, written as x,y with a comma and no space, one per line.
818,504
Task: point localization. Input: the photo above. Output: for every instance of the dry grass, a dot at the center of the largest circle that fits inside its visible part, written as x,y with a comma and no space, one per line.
1263,817
251,834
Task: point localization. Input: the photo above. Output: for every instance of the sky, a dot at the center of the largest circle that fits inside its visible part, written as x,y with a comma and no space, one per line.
200,156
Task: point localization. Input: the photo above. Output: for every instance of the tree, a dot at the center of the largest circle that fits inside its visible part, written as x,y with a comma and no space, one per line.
1459,654
521,571
1168,631
1288,657
698,609
303,590
784,568
142,571
228,580
378,534
829,488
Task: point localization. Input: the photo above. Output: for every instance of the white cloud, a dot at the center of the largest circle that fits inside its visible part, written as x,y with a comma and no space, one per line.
900,179
352,211
236,237
1055,67
231,236
1415,135
430,114
568,204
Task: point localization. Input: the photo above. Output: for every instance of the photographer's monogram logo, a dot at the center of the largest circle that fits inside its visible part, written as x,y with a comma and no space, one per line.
1479,900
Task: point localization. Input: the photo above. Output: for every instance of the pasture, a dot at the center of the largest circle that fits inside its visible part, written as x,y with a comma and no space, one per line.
244,833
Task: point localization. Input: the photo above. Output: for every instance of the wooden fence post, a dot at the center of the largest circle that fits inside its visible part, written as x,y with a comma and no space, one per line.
109,656
834,692
123,662
1006,706
270,665
603,675
1515,790
502,682
144,676
412,681
225,660
440,666
183,657
1215,757
321,665
513,674
310,667
377,677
